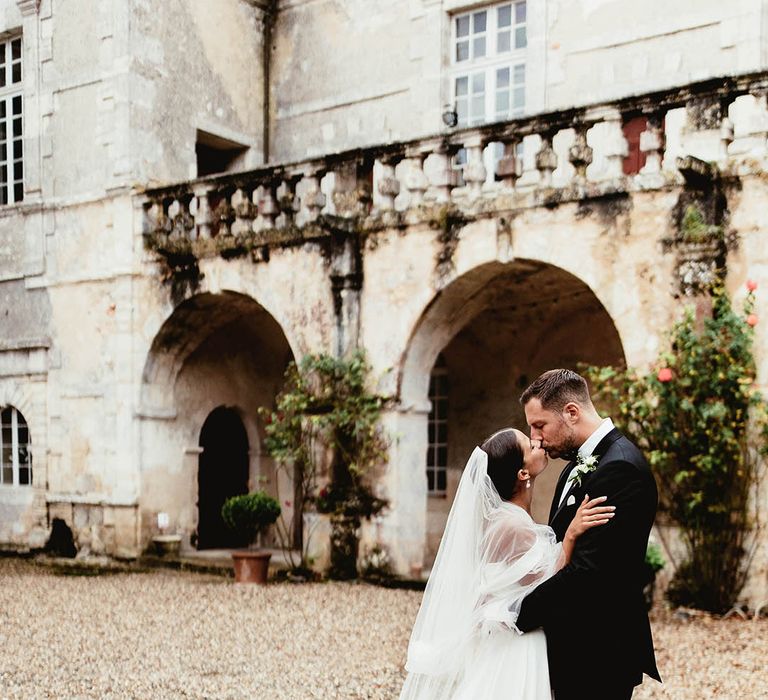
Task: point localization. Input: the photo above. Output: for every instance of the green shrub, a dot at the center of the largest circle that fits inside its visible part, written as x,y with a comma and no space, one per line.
249,514
702,423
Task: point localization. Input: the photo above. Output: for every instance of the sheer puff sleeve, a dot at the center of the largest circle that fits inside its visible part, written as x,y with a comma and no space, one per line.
517,554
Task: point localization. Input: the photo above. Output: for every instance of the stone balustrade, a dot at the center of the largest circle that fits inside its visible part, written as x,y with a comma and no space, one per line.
470,167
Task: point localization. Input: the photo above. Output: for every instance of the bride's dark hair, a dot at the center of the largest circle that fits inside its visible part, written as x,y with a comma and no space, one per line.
505,459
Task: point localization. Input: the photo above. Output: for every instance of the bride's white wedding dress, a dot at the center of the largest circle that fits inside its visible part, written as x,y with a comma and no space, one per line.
465,645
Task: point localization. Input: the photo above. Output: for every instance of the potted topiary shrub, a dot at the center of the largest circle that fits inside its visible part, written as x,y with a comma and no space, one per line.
249,515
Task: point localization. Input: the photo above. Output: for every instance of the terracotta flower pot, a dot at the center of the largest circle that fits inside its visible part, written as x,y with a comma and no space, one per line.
251,566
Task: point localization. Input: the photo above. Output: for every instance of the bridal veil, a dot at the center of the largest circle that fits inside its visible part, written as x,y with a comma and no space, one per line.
491,556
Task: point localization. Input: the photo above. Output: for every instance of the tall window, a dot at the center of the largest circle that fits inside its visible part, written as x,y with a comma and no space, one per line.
488,63
437,452
15,455
11,123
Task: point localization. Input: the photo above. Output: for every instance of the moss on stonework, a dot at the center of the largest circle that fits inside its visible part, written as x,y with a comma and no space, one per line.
448,221
694,227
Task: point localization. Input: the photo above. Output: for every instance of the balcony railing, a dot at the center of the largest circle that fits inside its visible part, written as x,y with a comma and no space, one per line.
540,159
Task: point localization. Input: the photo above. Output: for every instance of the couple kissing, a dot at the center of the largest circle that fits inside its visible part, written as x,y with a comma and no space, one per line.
516,610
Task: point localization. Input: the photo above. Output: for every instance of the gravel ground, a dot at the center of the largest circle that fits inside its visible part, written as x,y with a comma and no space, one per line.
180,635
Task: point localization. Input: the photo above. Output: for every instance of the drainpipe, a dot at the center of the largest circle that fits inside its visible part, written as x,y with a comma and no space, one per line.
269,15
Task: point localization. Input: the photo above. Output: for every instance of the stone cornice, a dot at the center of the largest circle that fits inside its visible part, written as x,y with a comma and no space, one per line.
28,7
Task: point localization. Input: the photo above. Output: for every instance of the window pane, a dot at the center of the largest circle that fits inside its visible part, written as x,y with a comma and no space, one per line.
479,21
2,77
442,433
25,476
518,99
2,109
23,455
431,432
462,111
2,54
462,86
7,474
502,78
478,108
502,102
18,193
519,12
17,149
442,456
2,131
17,127
441,479
519,74
16,73
4,151
16,106
505,16
462,26
478,83
478,46
16,48
521,41
503,42
430,480
3,194
462,51
18,171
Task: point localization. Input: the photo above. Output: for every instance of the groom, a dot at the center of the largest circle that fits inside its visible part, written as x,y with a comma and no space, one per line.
598,635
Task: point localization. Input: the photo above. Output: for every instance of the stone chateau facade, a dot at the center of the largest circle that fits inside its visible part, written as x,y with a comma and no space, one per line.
193,193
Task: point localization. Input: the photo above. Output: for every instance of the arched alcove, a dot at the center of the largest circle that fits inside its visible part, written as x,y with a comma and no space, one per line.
215,352
494,329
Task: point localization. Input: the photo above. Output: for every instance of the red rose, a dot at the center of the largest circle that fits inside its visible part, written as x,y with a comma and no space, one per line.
751,285
752,320
665,375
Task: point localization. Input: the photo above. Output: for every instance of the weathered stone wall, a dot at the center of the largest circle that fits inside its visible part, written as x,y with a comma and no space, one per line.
195,65
346,76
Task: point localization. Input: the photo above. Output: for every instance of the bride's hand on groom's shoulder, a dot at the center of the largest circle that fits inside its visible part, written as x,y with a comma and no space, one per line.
591,513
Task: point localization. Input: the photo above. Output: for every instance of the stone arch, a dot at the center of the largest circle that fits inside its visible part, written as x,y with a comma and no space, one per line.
498,326
214,350
190,323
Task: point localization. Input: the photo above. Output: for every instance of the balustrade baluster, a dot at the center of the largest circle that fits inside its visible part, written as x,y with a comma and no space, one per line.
268,207
442,175
475,173
203,218
388,185
244,211
546,160
580,154
313,200
509,169
416,181
652,146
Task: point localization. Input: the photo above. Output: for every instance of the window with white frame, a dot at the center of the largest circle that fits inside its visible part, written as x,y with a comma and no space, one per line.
437,426
488,63
15,454
11,122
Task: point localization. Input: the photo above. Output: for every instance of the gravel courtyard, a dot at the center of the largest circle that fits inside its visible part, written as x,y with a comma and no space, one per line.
180,635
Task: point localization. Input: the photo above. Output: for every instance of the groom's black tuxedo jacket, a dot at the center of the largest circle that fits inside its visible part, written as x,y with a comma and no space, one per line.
593,610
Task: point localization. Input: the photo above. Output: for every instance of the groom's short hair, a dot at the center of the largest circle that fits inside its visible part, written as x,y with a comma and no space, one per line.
556,388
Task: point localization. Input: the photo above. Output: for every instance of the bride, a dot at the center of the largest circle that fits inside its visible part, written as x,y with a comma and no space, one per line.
464,644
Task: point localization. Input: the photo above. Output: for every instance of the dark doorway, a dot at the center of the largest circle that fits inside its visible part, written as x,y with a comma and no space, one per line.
222,472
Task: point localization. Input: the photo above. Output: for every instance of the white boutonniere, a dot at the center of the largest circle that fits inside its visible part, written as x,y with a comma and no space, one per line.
584,465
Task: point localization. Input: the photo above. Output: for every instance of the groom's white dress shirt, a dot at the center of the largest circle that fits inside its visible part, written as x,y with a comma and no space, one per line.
587,449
